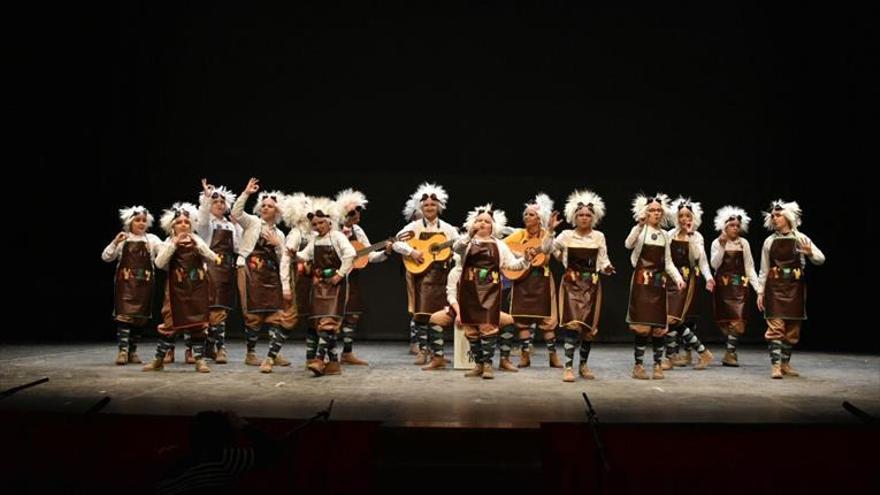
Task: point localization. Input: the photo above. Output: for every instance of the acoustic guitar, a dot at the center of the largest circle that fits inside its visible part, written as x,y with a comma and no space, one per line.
519,248
434,247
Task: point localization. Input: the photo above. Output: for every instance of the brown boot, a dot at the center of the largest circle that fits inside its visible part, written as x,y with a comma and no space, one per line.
706,357
422,358
568,375
121,357
776,372
202,366
476,372
155,365
281,360
524,361
333,368
350,358
555,361
133,358
487,371
639,372
250,359
658,372
266,365
188,356
586,372
787,370
169,356
666,363
316,366
679,359
414,349
506,365
730,359
437,363
221,357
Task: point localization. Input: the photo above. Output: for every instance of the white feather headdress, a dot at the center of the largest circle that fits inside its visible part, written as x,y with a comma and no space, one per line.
640,207
276,196
499,218
350,199
428,190
325,207
729,213
222,192
695,208
543,206
127,214
177,209
411,211
789,209
584,199
295,209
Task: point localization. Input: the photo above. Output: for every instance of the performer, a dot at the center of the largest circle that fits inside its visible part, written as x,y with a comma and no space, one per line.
652,260
352,204
187,293
296,280
428,288
223,237
734,271
411,213
533,296
584,254
259,277
331,256
689,257
134,250
477,300
783,292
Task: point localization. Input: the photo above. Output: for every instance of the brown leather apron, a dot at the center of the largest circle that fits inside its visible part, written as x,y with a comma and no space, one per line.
188,289
530,295
301,275
264,293
580,287
647,294
326,299
731,288
680,302
222,274
785,292
479,289
355,303
135,278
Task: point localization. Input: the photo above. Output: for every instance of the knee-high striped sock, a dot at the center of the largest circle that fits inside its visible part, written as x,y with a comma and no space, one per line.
136,334
690,338
571,342
775,347
187,340
422,334
436,340
311,343
413,334
165,344
786,352
487,344
586,347
123,337
198,346
476,350
250,338
327,343
277,336
526,342
218,335
507,340
730,345
671,340
550,342
639,347
659,345
347,338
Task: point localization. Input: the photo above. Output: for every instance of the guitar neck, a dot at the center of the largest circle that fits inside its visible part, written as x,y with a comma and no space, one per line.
369,249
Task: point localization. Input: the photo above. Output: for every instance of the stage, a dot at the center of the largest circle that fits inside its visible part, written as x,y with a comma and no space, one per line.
396,393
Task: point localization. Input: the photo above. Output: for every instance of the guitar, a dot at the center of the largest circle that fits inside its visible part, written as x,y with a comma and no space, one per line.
434,248
361,258
519,248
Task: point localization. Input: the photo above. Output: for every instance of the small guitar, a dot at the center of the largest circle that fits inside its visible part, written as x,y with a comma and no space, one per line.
362,258
433,246
519,248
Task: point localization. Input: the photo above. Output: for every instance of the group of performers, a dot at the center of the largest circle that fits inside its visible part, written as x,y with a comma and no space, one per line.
217,253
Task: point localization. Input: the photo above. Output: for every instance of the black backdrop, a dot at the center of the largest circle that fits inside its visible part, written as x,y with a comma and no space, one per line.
134,103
